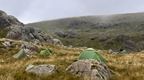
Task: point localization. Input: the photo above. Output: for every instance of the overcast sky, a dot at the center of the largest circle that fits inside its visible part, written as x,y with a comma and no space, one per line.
37,10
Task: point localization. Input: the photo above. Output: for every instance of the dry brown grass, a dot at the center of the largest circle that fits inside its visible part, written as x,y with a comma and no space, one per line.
126,67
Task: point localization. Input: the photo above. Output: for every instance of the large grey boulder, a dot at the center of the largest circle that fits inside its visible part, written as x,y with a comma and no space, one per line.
45,69
90,69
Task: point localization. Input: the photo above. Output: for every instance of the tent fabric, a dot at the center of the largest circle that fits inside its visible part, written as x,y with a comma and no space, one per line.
91,54
45,52
20,54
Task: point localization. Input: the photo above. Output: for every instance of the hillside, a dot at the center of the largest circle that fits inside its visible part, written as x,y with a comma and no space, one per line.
120,31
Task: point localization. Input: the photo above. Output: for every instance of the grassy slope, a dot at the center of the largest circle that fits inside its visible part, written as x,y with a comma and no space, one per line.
126,67
92,26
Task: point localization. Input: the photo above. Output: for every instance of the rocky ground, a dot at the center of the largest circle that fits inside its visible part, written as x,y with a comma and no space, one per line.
124,66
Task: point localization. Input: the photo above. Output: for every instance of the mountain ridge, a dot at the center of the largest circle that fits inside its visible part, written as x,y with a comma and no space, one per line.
100,32
86,16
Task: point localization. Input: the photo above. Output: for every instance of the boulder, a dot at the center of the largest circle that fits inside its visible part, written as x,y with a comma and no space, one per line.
7,44
91,69
110,51
29,46
45,69
57,42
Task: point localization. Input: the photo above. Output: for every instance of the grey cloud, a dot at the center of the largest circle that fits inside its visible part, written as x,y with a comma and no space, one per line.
36,10
15,7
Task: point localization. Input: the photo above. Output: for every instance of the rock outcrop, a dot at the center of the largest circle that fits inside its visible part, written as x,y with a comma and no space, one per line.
28,33
90,69
8,20
14,29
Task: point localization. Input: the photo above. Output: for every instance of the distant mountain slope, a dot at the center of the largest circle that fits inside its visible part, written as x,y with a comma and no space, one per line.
121,31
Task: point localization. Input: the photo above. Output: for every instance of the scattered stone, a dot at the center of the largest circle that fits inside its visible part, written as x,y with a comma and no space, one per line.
123,52
45,69
91,69
57,42
110,51
70,46
64,47
30,46
7,44
36,42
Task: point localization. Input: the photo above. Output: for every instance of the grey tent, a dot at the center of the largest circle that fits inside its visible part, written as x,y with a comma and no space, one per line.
21,54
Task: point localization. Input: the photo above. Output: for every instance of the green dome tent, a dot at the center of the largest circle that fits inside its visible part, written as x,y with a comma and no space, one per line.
90,53
45,52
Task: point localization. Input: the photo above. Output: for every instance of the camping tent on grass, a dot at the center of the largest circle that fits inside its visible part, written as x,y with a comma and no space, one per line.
46,52
91,53
21,54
